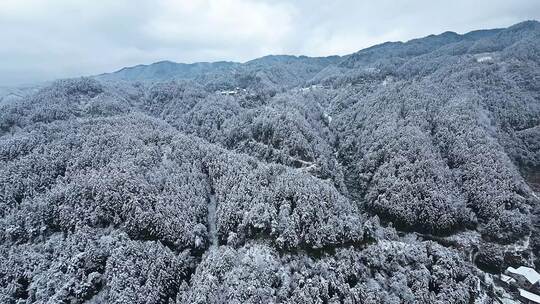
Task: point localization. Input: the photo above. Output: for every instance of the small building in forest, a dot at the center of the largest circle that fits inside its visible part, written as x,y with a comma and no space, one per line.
528,297
526,277
527,282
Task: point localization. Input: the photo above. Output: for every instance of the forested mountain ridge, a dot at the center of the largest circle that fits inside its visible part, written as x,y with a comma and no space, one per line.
398,174
294,68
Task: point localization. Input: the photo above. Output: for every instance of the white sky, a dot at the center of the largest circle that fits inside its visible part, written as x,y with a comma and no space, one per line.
47,39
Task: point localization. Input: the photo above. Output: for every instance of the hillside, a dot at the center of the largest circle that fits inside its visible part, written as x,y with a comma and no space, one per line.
402,173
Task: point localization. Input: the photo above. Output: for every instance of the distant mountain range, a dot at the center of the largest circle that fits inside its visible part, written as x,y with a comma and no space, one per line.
166,70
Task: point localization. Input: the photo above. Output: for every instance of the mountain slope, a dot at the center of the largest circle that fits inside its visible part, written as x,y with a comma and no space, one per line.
403,173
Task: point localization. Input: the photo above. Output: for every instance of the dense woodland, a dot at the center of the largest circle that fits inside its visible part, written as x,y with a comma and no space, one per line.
397,174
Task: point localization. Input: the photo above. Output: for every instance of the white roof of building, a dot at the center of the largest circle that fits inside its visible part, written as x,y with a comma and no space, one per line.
484,59
530,274
506,279
529,296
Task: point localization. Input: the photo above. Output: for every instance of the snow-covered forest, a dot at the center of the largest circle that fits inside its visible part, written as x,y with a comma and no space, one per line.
403,173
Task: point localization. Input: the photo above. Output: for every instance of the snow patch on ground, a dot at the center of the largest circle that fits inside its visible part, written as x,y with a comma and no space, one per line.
327,117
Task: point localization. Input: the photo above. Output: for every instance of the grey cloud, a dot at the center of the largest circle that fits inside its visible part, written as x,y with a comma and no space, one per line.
48,39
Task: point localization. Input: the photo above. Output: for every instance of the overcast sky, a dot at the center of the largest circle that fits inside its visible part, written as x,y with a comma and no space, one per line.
48,39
